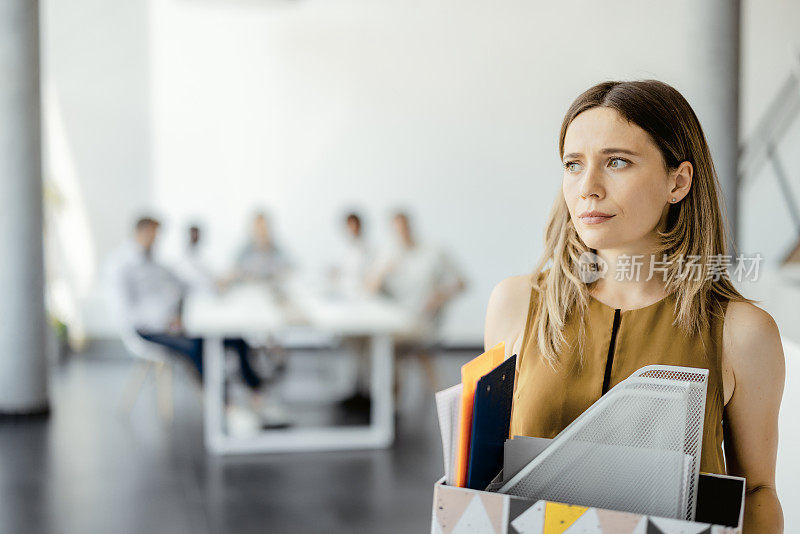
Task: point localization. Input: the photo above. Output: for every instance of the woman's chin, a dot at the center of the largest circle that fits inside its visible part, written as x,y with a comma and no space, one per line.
597,242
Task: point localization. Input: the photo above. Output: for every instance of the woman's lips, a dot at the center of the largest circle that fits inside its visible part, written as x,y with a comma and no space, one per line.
595,220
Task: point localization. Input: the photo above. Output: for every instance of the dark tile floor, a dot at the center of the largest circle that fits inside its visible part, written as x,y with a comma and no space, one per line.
89,469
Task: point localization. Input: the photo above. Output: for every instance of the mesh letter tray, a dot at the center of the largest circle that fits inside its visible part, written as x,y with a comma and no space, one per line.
637,449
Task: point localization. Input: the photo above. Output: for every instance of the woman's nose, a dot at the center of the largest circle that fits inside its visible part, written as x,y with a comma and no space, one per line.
592,183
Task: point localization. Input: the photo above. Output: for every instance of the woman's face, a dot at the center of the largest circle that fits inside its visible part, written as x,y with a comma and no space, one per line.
261,234
613,167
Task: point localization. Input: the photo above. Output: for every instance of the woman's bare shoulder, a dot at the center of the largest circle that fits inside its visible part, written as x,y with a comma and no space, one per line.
514,290
507,310
747,324
752,346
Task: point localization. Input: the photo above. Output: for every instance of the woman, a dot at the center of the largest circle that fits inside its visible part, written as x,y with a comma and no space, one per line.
639,182
261,259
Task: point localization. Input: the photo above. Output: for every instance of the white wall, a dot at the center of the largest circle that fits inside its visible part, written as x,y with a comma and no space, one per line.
452,108
96,67
97,145
770,50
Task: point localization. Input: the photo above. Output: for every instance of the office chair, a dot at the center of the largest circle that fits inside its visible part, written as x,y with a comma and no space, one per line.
150,357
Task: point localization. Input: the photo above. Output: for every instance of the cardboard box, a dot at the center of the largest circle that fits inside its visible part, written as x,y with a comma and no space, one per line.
720,510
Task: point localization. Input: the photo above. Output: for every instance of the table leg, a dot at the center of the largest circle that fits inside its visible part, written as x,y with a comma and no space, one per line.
381,387
213,394
378,434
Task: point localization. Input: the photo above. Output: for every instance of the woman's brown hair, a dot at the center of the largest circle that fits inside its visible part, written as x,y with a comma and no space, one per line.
694,227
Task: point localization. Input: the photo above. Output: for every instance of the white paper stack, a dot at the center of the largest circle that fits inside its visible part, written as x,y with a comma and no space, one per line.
448,404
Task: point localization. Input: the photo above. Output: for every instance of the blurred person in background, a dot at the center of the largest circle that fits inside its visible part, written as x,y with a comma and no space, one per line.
147,298
349,274
191,268
349,277
261,259
145,295
423,279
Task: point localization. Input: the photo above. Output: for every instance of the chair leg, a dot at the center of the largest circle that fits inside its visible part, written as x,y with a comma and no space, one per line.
164,385
429,367
134,387
398,378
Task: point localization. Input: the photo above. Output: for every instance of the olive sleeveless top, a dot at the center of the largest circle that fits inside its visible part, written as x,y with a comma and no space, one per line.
617,343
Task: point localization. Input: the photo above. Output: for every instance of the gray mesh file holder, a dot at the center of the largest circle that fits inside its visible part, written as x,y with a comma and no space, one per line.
630,451
698,387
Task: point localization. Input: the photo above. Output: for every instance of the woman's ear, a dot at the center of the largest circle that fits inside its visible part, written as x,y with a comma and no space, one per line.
681,181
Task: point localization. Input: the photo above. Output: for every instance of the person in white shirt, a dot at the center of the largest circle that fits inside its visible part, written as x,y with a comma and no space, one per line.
144,294
349,278
350,273
146,298
422,278
192,269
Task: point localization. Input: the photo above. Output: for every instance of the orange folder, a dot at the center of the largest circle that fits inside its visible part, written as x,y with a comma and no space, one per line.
471,372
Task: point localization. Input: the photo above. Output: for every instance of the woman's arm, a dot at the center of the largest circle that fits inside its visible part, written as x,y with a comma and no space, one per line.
752,348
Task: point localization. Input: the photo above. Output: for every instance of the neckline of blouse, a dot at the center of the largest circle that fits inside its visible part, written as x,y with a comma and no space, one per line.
622,311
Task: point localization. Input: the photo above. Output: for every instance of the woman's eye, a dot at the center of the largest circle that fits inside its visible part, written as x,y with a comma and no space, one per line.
571,166
620,163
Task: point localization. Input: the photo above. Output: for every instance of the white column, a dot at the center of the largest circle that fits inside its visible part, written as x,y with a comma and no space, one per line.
23,385
714,61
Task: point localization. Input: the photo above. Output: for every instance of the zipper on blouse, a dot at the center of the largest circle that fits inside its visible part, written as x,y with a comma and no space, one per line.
610,357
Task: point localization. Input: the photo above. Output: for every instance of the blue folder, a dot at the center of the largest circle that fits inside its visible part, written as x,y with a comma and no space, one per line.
491,417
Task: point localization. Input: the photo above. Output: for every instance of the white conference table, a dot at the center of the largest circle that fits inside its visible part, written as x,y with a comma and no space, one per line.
252,311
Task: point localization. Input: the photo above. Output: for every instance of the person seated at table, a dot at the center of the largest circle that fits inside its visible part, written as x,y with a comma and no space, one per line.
192,269
261,259
422,278
146,297
349,274
349,278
